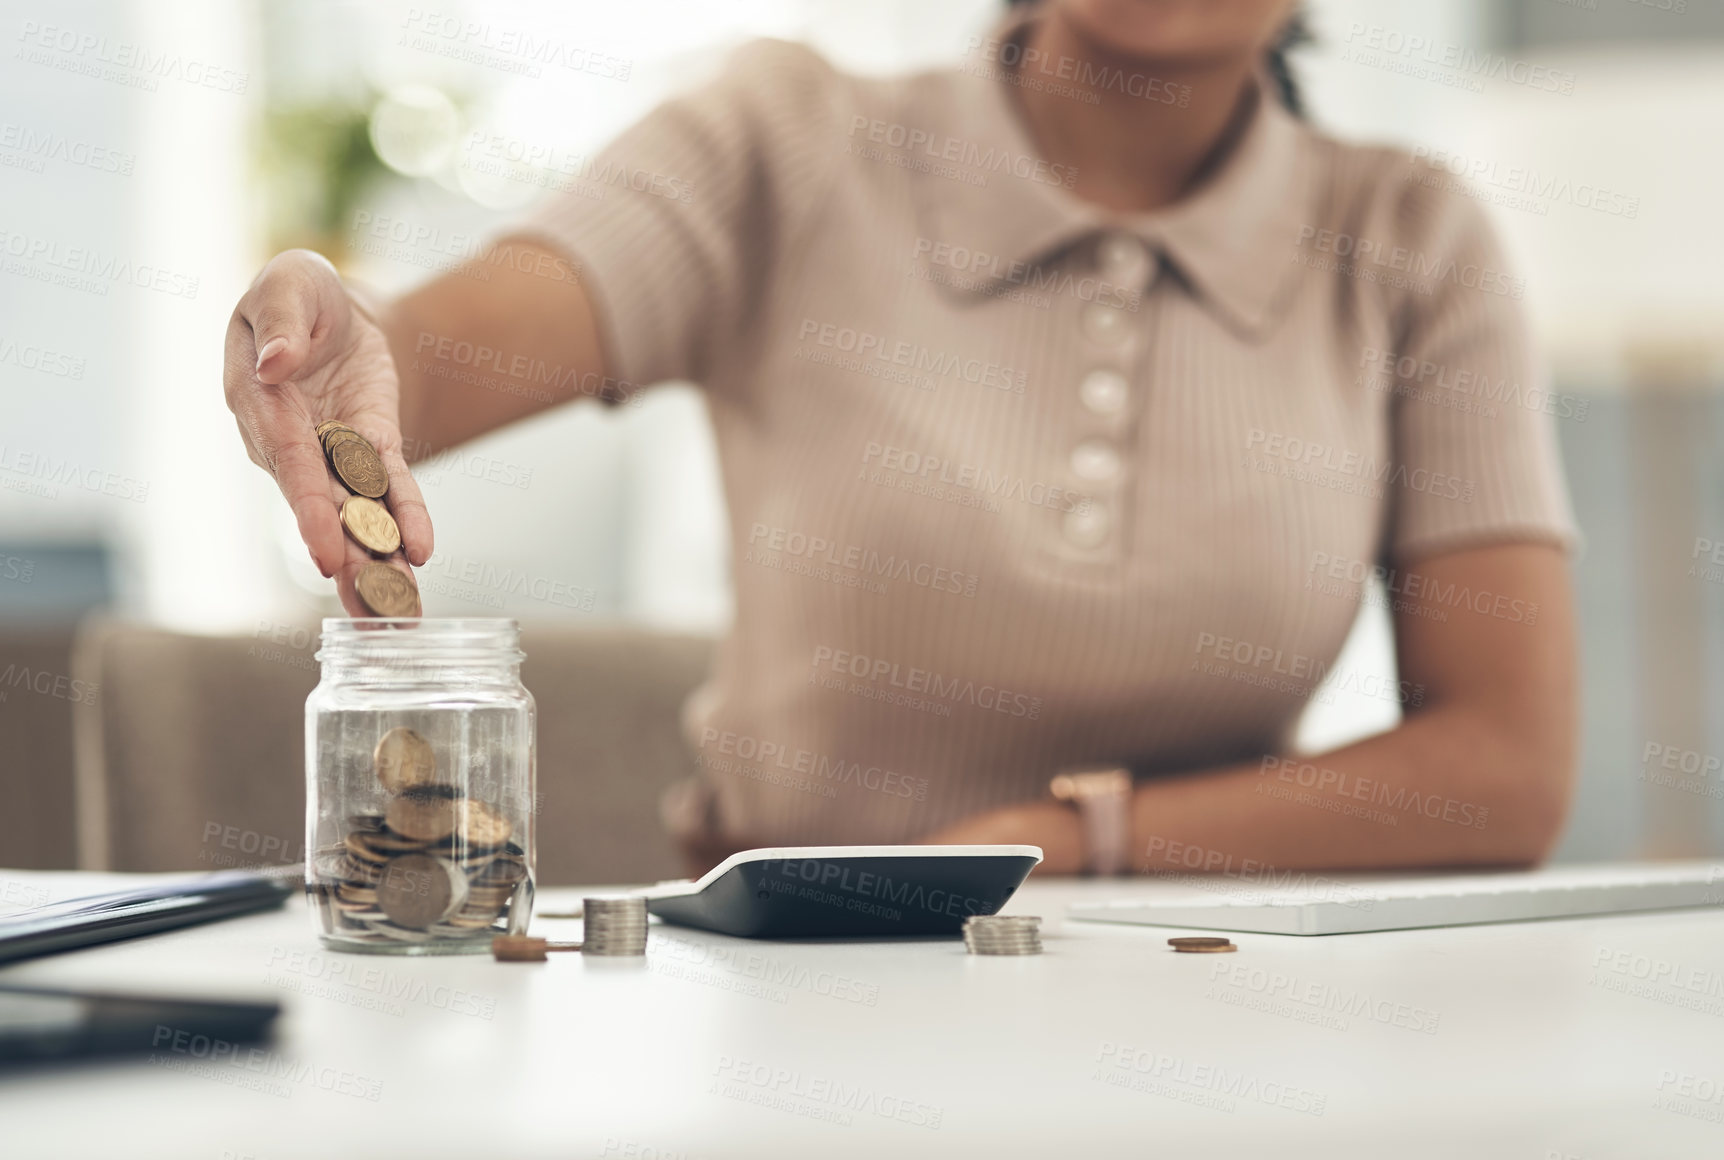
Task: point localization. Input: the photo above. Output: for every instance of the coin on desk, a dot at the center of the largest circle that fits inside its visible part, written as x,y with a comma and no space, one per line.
614,926
387,591
370,523
1003,934
1201,945
403,760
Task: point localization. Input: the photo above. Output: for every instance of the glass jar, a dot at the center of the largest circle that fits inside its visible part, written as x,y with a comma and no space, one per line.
420,775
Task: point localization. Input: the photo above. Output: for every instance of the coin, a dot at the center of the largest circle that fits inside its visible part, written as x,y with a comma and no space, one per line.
388,843
614,926
418,890
1198,941
357,463
387,591
1225,948
360,873
403,759
1003,934
360,847
326,427
424,816
483,825
504,871
370,523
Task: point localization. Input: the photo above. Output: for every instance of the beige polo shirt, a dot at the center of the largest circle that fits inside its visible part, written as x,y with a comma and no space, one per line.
1016,483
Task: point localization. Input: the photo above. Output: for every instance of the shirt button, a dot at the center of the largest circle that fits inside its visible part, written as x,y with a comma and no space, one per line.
1095,460
1123,258
1087,527
1105,324
1103,391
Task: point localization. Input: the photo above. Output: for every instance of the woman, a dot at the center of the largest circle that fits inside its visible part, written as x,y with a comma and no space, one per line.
1064,400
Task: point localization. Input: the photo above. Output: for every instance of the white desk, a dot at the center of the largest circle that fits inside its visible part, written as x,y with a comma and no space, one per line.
1498,1041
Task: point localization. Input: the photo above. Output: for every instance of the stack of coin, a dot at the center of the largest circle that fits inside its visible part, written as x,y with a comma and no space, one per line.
1003,934
613,926
433,865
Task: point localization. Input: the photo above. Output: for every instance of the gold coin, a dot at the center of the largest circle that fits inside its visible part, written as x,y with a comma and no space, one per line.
357,872
424,817
504,871
362,851
358,464
418,890
328,425
370,523
386,843
403,759
387,591
483,825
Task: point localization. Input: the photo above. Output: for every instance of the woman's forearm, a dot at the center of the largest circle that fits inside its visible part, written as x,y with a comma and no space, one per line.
1450,786
491,343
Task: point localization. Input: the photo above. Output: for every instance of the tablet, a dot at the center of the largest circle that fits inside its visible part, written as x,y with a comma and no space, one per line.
847,891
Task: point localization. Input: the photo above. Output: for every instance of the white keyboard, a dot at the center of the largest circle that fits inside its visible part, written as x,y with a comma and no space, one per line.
1299,902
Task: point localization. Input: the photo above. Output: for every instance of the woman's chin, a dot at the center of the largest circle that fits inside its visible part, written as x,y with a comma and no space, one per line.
1172,33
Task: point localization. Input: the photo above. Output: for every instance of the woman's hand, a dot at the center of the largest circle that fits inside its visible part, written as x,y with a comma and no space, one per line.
1053,826
299,351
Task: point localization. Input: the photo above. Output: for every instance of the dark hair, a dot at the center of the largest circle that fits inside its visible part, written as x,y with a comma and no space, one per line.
1295,32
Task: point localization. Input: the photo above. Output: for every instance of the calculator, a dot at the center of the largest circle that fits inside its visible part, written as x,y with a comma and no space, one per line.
846,891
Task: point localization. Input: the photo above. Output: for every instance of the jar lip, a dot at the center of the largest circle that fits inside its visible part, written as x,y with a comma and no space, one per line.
444,626
402,642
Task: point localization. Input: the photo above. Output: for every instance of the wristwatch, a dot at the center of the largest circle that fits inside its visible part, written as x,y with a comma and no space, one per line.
1102,795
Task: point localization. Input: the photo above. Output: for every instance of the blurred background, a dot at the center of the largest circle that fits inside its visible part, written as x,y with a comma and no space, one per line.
153,155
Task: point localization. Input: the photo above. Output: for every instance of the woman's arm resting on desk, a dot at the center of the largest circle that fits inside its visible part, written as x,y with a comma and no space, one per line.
1478,773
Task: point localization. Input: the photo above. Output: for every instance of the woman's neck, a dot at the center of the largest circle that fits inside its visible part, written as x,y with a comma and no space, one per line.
1144,144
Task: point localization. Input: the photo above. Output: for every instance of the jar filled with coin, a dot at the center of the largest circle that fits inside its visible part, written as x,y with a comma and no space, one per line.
419,749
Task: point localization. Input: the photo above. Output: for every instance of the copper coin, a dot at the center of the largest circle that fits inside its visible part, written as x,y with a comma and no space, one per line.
357,463
370,523
483,825
424,817
387,843
387,591
403,759
360,848
1198,941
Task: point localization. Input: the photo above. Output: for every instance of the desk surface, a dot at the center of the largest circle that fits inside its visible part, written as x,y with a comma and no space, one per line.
1594,1038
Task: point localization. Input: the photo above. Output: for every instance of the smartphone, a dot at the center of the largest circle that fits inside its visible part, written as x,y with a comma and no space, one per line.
39,1025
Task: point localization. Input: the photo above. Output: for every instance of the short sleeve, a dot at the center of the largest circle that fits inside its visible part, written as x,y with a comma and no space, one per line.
677,225
1473,412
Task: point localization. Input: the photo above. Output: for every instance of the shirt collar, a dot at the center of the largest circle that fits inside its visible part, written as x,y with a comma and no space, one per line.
1229,239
